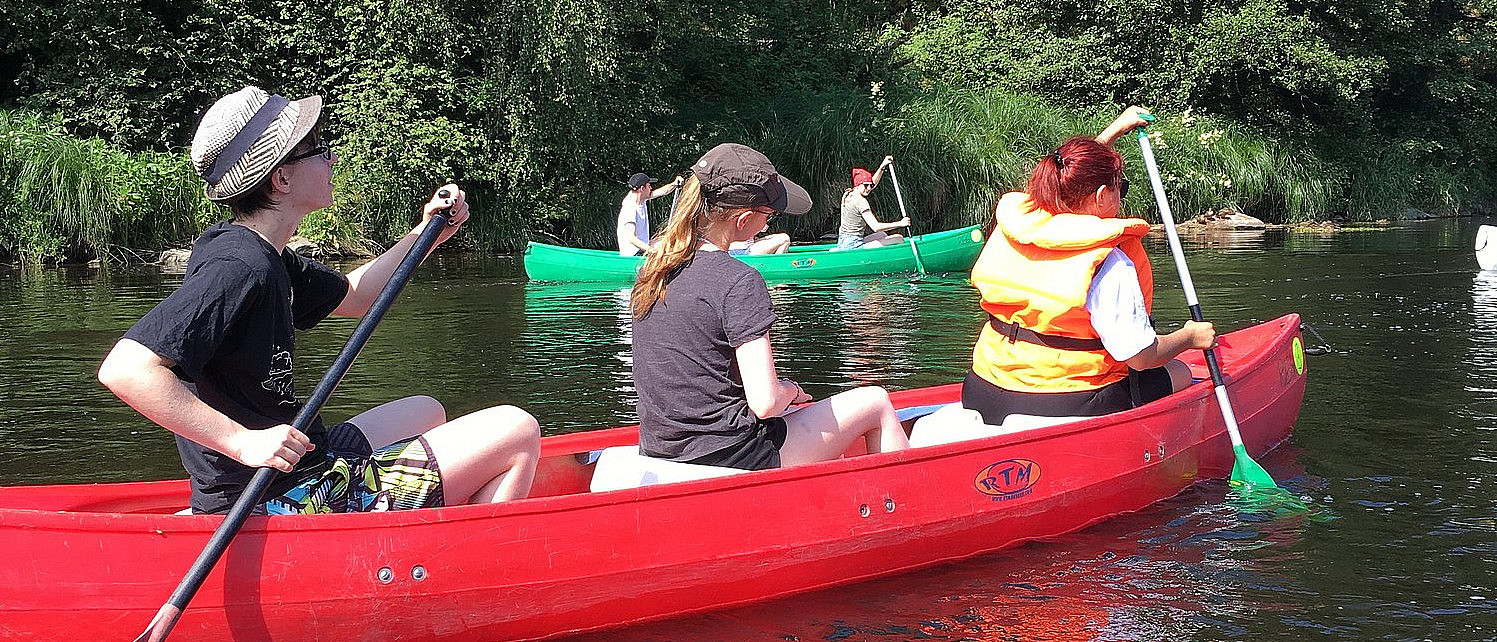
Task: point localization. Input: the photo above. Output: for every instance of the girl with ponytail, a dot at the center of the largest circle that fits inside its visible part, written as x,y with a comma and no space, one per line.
1068,290
703,365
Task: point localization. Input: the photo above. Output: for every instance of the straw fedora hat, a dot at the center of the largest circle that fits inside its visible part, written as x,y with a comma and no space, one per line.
245,135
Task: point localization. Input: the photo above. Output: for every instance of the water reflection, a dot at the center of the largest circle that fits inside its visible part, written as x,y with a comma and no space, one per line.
1481,372
874,315
1187,576
579,335
1227,239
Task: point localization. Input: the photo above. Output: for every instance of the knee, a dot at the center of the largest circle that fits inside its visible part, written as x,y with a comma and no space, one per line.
870,396
1180,377
511,425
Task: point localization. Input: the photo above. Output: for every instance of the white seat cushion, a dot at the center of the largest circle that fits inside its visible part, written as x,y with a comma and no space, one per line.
623,467
954,423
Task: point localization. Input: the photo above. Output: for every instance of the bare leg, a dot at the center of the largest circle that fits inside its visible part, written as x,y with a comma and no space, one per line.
1180,378
772,244
880,239
403,418
487,456
824,429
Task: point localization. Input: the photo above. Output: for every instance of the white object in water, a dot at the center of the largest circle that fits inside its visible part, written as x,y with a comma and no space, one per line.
1486,247
954,423
623,467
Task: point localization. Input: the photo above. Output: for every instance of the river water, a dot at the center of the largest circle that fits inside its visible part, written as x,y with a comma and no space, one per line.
1397,438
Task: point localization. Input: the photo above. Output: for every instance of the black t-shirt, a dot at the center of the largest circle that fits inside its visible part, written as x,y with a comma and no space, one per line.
691,400
229,329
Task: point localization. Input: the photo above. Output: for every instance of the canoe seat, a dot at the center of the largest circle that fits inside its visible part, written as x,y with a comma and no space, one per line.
623,467
954,423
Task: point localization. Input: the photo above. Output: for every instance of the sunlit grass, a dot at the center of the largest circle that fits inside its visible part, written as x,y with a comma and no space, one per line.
65,198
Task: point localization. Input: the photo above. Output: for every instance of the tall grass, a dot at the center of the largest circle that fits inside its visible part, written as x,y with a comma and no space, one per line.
956,151
64,198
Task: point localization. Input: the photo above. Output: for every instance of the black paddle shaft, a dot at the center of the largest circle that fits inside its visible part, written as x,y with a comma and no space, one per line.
1212,365
237,515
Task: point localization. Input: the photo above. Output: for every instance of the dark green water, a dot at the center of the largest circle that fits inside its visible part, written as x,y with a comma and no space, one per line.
1396,437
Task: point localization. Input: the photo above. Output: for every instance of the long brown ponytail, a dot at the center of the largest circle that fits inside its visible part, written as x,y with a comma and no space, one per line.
674,246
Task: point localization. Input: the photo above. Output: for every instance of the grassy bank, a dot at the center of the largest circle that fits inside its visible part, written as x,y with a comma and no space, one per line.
68,199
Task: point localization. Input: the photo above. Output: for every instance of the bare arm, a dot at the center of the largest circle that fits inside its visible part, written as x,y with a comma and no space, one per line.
144,380
768,395
626,232
879,175
366,281
1125,122
1195,335
881,227
667,188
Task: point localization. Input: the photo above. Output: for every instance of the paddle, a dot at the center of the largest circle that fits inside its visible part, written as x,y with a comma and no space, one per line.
1244,469
900,196
161,626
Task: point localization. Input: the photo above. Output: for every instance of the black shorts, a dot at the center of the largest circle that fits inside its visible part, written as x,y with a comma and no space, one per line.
761,451
995,404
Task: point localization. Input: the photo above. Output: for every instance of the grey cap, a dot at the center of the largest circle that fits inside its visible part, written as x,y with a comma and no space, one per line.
640,180
737,175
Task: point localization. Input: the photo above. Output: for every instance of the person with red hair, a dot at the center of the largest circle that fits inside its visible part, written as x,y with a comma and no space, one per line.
1068,290
859,227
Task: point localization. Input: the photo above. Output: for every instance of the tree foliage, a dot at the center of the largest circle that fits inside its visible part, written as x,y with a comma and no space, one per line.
541,109
1399,95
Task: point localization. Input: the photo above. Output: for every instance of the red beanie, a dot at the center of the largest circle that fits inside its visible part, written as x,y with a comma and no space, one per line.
860,176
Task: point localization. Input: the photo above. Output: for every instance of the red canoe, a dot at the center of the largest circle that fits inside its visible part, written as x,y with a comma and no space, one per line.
95,562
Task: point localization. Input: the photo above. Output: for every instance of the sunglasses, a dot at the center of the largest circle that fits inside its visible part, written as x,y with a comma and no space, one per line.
1123,187
320,150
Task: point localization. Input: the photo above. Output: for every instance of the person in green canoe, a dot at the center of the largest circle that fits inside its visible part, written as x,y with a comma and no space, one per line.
213,363
859,227
633,225
703,365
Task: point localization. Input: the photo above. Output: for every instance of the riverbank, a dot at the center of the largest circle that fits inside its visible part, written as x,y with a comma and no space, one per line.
68,200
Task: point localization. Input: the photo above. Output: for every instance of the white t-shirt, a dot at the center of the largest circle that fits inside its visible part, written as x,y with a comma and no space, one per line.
1116,303
640,217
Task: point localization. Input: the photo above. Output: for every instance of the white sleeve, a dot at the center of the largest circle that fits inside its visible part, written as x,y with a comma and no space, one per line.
1116,304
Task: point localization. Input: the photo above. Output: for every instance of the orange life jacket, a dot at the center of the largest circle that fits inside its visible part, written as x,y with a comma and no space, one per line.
1034,273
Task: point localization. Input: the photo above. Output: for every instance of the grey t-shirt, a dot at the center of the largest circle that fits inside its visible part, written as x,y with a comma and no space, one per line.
691,400
853,207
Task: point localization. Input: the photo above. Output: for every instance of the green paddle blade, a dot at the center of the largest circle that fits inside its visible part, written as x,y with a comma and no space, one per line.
1246,471
1275,503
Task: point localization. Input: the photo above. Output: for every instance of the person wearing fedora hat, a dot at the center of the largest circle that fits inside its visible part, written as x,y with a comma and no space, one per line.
859,227
633,227
213,362
703,366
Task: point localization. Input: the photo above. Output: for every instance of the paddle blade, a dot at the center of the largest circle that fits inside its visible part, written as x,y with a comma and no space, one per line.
1248,472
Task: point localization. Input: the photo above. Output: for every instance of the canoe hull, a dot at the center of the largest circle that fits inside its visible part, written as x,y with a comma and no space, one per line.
949,251
574,561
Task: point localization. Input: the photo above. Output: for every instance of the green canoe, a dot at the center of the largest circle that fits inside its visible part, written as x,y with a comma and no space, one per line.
950,251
